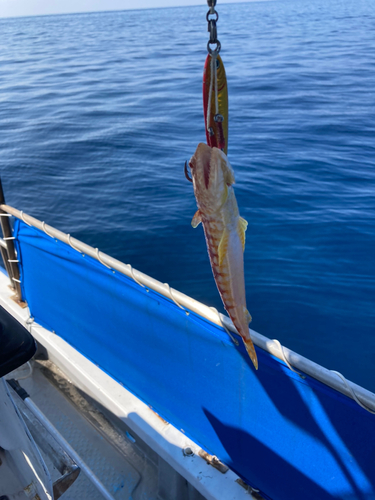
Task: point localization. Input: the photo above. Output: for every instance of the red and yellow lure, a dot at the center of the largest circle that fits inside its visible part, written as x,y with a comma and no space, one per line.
215,102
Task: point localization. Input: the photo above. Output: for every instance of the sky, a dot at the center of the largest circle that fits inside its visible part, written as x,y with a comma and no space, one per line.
14,8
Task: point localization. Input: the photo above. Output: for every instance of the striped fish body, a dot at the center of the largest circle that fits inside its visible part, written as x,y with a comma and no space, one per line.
224,231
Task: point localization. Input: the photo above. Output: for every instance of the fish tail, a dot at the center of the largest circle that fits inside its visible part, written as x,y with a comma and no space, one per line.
251,351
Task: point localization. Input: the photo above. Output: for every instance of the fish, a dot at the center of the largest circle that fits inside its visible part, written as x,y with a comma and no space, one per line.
224,230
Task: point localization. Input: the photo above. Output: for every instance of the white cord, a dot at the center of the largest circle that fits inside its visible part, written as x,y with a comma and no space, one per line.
99,259
45,230
286,361
134,278
352,392
23,218
347,385
28,375
30,320
171,296
71,244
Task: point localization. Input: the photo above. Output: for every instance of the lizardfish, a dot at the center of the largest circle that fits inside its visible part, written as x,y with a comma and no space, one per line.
224,229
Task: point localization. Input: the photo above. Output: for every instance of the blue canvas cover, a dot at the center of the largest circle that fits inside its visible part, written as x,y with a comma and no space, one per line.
293,439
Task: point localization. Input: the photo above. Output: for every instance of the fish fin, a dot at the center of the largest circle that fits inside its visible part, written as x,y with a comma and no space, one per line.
197,219
241,229
248,315
223,246
229,177
225,194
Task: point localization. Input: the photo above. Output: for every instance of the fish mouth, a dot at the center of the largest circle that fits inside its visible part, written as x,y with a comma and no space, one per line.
204,153
187,175
200,163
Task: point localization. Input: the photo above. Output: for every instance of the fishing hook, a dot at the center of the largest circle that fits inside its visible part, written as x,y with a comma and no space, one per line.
187,173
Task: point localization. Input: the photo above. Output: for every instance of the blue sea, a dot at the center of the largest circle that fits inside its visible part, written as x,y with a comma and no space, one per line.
99,111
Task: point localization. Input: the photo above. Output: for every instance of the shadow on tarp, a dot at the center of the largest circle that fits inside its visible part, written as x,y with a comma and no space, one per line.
316,410
281,434
261,458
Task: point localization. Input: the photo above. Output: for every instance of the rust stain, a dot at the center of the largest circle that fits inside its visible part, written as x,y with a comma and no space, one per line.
253,492
28,489
214,461
21,303
157,414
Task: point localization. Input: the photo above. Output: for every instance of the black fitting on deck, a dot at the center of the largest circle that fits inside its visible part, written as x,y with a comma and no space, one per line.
15,385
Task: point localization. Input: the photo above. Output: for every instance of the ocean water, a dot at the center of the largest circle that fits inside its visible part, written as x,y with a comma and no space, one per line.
98,113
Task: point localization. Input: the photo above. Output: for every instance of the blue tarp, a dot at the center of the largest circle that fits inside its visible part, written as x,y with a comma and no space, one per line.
293,439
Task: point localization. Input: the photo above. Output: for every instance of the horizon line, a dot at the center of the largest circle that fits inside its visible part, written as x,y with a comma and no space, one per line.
126,9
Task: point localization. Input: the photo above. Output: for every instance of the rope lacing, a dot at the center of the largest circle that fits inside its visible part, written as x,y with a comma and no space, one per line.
23,218
348,386
340,375
44,229
281,348
71,244
100,260
134,278
169,290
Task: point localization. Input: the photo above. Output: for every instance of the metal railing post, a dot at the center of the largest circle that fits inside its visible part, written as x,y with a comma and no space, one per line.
9,255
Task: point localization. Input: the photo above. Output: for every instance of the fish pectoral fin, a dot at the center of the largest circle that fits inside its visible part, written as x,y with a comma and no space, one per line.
197,219
223,246
225,194
241,229
248,315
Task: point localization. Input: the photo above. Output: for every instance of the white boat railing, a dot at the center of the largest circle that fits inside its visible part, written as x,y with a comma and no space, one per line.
294,361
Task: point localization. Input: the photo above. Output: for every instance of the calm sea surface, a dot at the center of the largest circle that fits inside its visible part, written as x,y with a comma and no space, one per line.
98,113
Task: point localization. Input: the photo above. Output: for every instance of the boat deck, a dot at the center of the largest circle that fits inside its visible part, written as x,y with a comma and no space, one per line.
126,466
